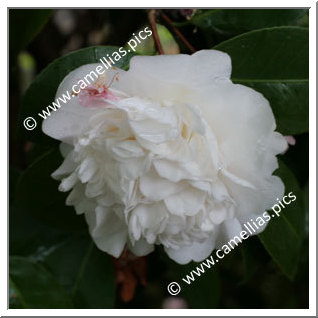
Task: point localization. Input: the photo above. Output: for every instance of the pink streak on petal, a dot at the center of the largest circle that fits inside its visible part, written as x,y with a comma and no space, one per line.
96,96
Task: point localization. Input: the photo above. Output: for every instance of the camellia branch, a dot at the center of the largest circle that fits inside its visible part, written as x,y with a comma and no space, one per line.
152,22
177,32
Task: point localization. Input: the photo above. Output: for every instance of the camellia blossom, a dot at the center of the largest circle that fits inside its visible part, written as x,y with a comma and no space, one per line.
171,153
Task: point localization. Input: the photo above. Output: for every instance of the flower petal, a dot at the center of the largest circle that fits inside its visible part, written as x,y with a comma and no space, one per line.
141,247
70,119
107,230
155,188
195,252
187,202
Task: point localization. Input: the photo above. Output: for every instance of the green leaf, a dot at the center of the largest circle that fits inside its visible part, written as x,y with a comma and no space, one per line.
86,272
35,287
233,21
41,92
284,234
289,100
275,62
28,235
283,244
295,212
38,195
24,25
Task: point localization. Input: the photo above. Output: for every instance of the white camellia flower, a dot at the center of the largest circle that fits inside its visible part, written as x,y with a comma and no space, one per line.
172,153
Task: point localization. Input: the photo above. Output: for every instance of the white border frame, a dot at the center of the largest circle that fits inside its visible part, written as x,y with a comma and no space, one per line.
312,163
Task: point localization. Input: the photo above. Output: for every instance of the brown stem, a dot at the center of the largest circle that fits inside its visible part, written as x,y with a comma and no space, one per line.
152,21
177,32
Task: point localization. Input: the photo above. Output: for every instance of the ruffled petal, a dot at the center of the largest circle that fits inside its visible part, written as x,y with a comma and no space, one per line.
141,247
187,202
195,252
107,230
155,188
67,122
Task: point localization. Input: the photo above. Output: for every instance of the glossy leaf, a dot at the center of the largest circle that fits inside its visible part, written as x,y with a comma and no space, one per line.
289,100
275,62
86,272
233,21
295,212
284,234
35,287
41,92
38,195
